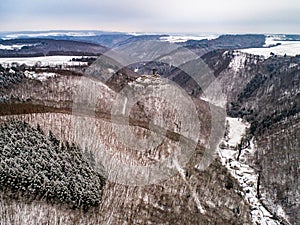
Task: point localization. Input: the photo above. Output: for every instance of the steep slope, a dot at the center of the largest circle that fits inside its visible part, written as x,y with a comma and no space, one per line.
265,92
36,167
189,196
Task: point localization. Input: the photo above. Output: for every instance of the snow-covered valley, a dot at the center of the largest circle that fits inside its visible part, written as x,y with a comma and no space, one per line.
251,180
237,163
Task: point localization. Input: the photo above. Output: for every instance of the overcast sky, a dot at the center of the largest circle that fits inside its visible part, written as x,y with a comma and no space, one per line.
193,16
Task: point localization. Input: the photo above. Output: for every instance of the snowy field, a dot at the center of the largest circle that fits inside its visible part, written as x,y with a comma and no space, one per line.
14,47
43,61
47,34
290,48
243,173
184,38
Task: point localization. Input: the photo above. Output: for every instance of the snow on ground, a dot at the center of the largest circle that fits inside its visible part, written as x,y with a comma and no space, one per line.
12,71
238,61
290,48
14,47
39,76
146,79
237,129
273,40
110,70
184,38
243,173
182,172
44,61
46,34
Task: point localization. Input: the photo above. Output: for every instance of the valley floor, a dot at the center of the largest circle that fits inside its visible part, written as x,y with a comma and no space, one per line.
246,175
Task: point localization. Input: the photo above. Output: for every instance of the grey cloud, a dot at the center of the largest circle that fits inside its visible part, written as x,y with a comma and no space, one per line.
151,15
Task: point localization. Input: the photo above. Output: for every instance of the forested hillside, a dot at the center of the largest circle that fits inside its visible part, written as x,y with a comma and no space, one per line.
34,166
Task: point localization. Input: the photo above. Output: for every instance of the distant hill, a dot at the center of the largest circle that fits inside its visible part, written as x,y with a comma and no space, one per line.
46,47
229,41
